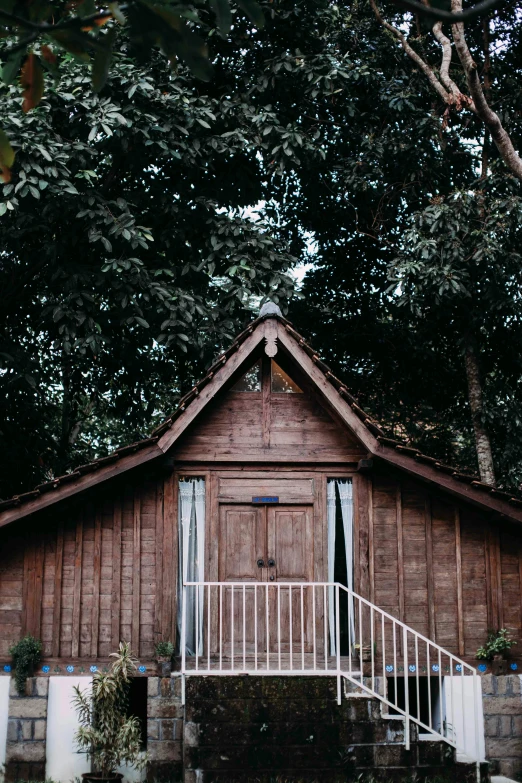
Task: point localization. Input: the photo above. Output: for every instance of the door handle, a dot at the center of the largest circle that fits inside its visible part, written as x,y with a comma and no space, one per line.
260,562
271,562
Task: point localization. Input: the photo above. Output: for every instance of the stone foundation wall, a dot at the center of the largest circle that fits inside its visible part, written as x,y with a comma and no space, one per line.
164,728
26,731
502,704
261,728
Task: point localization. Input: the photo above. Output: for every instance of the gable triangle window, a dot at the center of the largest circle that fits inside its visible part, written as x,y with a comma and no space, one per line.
280,381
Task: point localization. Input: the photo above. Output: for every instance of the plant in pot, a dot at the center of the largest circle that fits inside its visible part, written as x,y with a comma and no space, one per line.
498,643
366,655
107,734
26,654
164,653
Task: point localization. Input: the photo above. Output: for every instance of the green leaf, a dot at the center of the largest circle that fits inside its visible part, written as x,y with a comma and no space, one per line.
102,61
221,9
253,11
117,13
73,42
7,156
11,67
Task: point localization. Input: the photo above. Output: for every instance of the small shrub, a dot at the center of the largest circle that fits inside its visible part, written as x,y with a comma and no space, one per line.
107,735
26,654
164,650
498,642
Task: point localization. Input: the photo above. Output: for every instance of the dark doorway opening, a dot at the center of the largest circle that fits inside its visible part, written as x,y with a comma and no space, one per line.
138,706
428,701
341,575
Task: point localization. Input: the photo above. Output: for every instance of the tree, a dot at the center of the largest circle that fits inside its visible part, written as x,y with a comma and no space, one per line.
38,32
127,261
393,150
321,122
443,83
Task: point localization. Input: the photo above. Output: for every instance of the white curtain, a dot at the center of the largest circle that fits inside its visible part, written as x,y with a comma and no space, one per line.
345,489
191,525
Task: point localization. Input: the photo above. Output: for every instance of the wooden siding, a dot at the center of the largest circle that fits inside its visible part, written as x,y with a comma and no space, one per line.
443,569
283,427
85,578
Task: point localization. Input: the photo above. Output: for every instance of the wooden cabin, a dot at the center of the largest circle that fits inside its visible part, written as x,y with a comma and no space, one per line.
227,531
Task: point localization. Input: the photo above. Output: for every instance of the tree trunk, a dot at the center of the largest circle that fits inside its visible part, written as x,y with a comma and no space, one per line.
482,442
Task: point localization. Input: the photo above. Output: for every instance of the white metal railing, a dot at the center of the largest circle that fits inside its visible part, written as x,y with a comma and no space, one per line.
325,629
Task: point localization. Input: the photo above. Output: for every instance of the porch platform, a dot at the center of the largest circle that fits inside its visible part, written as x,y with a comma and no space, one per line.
274,664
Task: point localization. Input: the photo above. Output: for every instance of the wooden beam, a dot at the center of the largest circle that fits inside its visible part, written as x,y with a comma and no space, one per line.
77,588
362,536
38,585
159,563
400,551
212,388
266,381
432,628
170,536
81,484
116,575
57,595
136,575
95,612
495,570
460,601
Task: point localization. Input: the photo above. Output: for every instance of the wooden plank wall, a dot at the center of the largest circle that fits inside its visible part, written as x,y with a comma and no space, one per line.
84,580
287,427
92,576
443,569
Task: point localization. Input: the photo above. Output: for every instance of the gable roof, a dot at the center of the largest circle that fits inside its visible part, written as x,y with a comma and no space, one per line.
270,327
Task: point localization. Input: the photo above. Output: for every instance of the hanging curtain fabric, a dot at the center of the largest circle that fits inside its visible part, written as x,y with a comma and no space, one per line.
345,489
191,526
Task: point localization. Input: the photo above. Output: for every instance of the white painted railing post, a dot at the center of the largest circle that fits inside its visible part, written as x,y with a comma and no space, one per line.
183,640
406,688
338,642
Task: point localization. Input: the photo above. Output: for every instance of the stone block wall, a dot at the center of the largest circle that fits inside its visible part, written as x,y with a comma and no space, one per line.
261,728
502,704
164,728
26,731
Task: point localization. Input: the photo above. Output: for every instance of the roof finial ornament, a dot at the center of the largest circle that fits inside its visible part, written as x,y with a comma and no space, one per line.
270,309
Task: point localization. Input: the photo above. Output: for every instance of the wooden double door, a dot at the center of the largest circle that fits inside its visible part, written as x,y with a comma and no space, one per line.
272,548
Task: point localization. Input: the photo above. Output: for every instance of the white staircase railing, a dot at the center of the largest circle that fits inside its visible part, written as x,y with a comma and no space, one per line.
325,629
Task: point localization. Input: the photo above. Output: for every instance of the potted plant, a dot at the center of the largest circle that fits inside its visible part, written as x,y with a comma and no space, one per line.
26,654
164,654
497,644
107,734
366,652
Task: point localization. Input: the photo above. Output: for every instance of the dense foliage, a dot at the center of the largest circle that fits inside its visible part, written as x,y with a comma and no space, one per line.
128,235
127,261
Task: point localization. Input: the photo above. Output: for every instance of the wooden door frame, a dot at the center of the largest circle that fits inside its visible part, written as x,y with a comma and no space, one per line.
320,474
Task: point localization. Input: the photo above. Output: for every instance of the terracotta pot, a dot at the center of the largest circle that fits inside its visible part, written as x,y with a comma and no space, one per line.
92,777
164,665
499,665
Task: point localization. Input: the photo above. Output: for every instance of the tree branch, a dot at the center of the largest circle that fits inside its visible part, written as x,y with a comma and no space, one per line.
449,16
417,59
481,107
64,24
459,99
